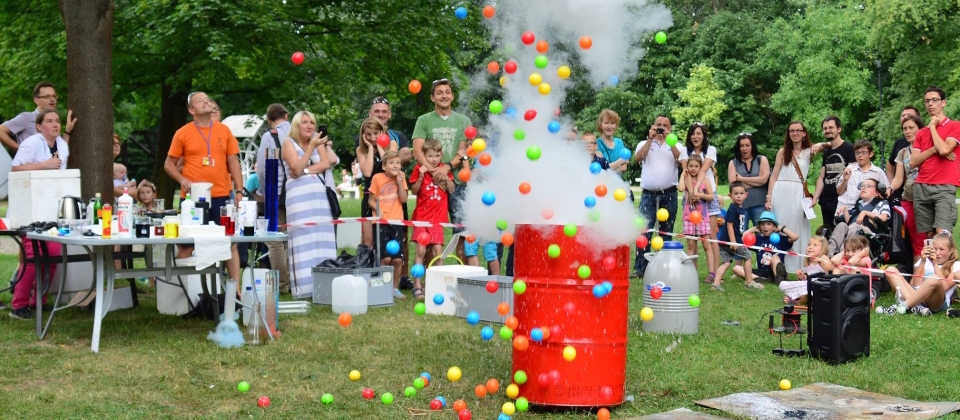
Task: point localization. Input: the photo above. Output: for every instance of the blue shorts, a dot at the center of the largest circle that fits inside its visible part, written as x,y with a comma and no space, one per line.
489,250
713,207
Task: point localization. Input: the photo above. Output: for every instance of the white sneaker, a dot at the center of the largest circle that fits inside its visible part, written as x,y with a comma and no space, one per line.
397,294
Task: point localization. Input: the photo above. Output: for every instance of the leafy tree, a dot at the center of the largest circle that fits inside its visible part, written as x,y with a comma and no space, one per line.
702,97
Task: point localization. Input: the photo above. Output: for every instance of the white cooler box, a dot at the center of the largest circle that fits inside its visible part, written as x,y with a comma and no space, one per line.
442,280
170,298
37,194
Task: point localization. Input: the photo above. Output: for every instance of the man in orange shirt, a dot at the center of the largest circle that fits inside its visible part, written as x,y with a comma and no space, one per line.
210,154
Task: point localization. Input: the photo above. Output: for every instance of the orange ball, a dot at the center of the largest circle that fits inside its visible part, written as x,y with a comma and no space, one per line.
485,159
546,332
414,86
471,153
586,42
524,188
506,239
489,12
493,386
521,343
601,190
603,414
470,238
512,322
696,217
459,405
480,390
542,46
464,175
493,67
503,308
345,319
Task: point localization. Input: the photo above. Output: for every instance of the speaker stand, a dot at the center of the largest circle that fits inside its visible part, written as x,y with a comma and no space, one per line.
791,325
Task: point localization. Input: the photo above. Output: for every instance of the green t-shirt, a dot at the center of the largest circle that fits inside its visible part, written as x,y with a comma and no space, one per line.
448,131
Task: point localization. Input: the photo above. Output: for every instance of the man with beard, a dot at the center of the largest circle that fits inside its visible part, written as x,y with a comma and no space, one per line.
836,157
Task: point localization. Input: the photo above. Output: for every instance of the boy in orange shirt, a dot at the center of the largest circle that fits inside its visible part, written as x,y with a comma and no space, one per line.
387,190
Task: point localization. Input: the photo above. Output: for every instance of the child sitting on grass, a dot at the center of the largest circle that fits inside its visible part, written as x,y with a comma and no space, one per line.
431,207
933,282
736,224
697,201
817,262
769,264
856,253
389,189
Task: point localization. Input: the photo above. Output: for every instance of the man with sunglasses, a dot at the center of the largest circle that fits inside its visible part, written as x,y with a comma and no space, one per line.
18,128
836,157
934,152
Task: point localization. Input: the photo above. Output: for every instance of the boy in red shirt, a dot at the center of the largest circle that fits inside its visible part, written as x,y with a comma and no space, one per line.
431,206
935,189
387,190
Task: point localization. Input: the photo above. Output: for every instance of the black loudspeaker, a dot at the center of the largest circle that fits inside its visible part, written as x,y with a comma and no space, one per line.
839,318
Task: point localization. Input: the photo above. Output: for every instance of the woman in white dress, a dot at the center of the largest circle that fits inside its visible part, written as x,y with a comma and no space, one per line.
786,189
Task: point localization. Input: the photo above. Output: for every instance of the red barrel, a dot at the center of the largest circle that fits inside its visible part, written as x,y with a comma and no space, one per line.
557,299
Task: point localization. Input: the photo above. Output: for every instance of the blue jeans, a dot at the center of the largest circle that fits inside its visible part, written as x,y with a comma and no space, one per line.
754,213
650,202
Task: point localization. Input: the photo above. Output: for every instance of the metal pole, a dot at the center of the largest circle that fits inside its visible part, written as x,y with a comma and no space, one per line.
883,148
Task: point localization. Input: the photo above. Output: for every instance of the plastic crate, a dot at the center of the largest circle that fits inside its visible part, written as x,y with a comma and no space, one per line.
380,280
474,294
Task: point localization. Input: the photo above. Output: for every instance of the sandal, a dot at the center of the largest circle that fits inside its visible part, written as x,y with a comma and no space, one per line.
716,287
753,285
418,292
709,279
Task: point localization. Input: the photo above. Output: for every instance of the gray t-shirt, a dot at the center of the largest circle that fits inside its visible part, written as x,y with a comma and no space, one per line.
23,125
267,142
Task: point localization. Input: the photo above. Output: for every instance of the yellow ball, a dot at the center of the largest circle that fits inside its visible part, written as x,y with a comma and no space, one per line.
662,215
544,89
563,72
569,353
508,408
479,145
512,391
354,375
535,79
619,194
785,384
646,314
454,374
656,243
504,80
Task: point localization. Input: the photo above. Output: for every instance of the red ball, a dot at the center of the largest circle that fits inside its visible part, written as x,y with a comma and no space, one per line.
423,238
368,394
528,38
465,414
510,67
263,402
383,140
555,376
436,405
749,239
642,241
530,114
492,286
609,263
656,293
543,379
470,132
556,333
570,308
297,58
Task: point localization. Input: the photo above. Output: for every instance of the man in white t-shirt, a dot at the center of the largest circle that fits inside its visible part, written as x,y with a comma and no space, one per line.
658,179
15,130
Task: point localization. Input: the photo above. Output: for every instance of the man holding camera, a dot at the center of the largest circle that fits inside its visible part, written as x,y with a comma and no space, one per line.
658,179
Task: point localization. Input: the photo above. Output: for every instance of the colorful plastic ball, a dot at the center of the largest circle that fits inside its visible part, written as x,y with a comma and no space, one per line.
541,61
546,331
470,152
486,333
470,238
386,398
503,82
492,386
503,308
530,114
603,414
586,42
642,242
459,405
510,67
297,58
393,247
563,72
534,152
345,319
519,134
354,375
553,127
660,37
454,374
485,159
414,86
749,239
672,139
542,46
519,287
511,111
569,353
511,322
785,384
443,401
543,379
662,215
470,132
593,215
464,415
619,194
503,416
420,308
473,318
590,202
506,333
495,106
520,377
436,405
535,79
613,80
508,408
488,198
607,285
696,217
506,239
327,399
595,168
243,386
522,404
489,12
583,272
493,67
521,343
502,224
625,154
492,286
774,238
368,394
263,402
419,383
426,376
512,391
460,13
480,391
638,222
524,188
383,140
656,293
656,243
570,230
417,270
646,314
600,190
553,251
536,335
527,38
438,299
609,262
547,214
544,89
599,291
464,175
409,392
694,300
570,308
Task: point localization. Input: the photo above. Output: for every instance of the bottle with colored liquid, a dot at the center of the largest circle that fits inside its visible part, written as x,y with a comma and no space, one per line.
97,208
124,228
106,214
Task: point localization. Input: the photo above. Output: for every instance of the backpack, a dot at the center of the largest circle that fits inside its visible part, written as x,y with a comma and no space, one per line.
283,185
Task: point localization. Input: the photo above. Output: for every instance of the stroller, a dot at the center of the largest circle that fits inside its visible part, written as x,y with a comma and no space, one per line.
890,246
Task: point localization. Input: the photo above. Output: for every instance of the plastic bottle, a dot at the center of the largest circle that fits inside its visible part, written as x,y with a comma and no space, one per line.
253,332
247,300
901,304
201,214
97,208
125,215
186,211
106,214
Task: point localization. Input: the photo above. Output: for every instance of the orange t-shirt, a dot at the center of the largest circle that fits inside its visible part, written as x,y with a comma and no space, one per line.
385,190
190,141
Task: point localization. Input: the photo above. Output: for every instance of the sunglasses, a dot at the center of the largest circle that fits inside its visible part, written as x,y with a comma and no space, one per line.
381,100
746,134
443,81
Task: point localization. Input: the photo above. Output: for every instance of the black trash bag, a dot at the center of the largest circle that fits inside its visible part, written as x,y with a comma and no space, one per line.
345,260
365,257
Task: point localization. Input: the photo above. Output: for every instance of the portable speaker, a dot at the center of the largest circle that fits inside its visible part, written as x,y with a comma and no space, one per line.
839,317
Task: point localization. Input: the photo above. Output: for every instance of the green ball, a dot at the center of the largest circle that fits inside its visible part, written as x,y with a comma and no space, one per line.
386,398
584,272
327,399
594,215
694,300
638,222
541,61
506,333
519,287
519,134
496,106
553,251
522,404
661,37
534,152
520,377
418,383
671,139
420,309
502,224
570,230
410,392
243,386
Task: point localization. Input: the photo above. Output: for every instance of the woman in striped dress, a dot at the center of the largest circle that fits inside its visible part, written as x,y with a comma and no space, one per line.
306,157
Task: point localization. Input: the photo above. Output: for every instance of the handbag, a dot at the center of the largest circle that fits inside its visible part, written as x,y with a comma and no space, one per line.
806,188
331,198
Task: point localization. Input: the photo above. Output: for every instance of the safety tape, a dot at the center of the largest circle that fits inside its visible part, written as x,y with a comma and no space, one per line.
413,223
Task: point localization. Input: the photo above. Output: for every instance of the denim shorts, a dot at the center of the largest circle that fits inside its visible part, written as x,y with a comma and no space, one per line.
489,250
713,207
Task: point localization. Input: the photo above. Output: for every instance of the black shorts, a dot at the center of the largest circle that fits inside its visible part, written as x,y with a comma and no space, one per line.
388,233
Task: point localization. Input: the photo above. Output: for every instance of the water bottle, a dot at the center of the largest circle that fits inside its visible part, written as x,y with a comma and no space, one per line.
125,215
901,305
201,212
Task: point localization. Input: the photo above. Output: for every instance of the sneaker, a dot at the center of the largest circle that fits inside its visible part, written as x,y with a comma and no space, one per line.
921,310
953,313
781,274
397,294
22,314
889,310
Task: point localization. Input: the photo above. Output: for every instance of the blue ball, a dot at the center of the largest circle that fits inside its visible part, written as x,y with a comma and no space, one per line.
503,416
595,168
461,13
417,270
723,213
590,202
607,285
775,238
489,198
625,154
438,299
599,291
443,401
473,318
536,335
613,80
393,247
426,375
553,127
486,333
511,112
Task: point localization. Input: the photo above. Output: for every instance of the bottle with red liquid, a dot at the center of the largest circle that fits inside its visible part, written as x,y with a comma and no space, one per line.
107,213
228,218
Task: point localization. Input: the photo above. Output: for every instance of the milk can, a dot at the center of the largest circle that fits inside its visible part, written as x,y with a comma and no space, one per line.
675,274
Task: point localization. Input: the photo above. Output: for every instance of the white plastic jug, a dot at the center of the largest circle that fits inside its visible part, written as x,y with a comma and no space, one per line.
349,294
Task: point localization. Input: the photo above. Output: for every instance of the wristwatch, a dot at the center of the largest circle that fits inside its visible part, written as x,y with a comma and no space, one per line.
464,158
306,171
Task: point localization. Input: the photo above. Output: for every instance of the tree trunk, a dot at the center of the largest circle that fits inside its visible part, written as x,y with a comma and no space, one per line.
173,115
89,28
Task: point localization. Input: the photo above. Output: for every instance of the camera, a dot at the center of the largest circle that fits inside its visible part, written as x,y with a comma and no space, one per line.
660,130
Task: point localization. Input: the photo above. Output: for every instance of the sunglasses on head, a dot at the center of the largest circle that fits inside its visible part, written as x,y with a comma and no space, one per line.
380,100
440,81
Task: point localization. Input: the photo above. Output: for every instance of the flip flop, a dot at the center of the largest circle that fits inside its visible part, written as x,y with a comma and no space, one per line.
418,292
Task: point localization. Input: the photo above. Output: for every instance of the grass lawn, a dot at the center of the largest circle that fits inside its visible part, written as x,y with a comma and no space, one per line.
157,366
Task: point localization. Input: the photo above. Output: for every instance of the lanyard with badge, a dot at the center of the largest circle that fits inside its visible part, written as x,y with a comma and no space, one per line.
207,160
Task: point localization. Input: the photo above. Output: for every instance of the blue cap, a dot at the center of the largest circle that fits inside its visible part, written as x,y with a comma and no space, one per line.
768,216
672,245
